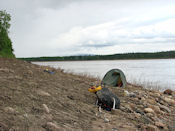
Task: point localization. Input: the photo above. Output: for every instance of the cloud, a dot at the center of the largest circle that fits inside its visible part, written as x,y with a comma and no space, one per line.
69,27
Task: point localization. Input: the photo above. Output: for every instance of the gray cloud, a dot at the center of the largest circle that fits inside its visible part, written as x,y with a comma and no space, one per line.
65,27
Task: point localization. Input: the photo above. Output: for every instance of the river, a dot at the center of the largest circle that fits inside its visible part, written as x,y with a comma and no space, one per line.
154,73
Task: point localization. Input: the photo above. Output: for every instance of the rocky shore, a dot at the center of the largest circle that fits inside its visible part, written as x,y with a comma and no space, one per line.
34,100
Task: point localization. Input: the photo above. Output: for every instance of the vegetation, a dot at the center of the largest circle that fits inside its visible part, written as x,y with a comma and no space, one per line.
156,55
6,49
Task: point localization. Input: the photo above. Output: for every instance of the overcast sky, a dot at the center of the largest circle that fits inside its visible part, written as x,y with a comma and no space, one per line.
71,27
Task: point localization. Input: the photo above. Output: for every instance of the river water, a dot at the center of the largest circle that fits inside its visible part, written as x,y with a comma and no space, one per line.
154,73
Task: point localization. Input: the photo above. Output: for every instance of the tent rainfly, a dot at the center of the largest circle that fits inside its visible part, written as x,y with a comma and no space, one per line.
115,78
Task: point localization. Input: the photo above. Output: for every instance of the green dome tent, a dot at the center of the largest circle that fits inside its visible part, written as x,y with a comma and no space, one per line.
114,77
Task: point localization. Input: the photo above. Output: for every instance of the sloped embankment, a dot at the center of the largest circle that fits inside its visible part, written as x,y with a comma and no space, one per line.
31,99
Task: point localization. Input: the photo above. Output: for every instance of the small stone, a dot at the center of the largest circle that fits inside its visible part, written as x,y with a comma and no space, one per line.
52,126
171,127
128,109
9,110
148,110
139,111
137,115
168,92
47,117
155,108
146,120
164,108
132,94
3,127
30,73
143,99
34,129
43,93
151,101
115,111
157,94
46,109
169,100
160,124
106,120
150,115
151,128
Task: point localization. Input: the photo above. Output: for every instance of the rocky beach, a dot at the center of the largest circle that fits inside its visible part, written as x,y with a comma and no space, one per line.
34,100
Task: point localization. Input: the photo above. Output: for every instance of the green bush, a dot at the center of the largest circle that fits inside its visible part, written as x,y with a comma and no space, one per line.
6,49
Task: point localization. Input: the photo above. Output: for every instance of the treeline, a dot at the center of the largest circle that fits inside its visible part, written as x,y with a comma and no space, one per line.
6,49
156,55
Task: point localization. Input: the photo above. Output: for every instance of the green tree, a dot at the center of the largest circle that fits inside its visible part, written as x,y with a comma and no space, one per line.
6,49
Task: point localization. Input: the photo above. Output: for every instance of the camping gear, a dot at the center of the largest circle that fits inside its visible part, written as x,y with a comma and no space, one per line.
48,71
107,100
114,77
94,89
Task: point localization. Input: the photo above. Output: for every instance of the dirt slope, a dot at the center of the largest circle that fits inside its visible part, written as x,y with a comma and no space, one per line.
34,100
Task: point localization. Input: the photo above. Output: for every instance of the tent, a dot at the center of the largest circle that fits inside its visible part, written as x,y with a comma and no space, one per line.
115,78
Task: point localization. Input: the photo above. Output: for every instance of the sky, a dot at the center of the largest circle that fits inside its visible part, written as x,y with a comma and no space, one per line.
76,27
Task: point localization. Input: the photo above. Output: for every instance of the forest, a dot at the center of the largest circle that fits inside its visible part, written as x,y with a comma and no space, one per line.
154,55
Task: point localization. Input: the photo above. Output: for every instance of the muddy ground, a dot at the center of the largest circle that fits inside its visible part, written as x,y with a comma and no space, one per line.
34,100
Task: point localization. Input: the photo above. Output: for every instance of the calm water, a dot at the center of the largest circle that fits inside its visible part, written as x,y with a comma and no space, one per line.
148,73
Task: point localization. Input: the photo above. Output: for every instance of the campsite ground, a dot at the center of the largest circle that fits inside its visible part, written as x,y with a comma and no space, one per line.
34,100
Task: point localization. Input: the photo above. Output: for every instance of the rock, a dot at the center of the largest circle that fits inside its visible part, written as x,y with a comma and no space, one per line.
127,109
43,93
149,128
47,117
115,111
171,127
143,98
164,108
130,94
148,110
155,108
151,101
154,119
3,127
137,115
9,110
149,115
6,70
34,129
30,73
53,127
106,120
169,100
160,124
157,94
139,111
146,120
168,92
46,109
